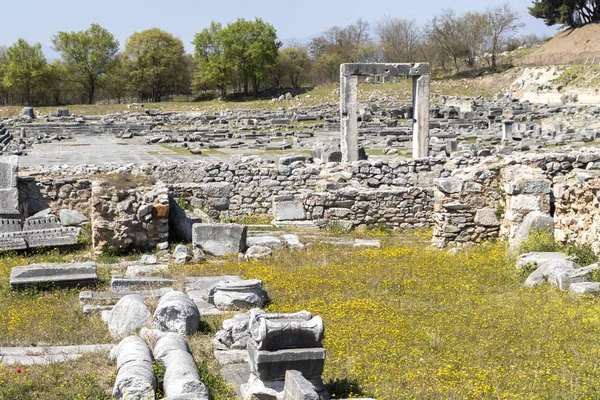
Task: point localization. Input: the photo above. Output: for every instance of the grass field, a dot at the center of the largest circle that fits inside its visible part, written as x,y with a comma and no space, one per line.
316,96
405,321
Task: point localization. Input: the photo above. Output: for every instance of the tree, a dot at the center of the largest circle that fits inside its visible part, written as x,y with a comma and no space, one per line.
154,61
399,39
447,33
252,47
338,45
212,67
569,13
502,21
24,68
89,54
293,63
116,80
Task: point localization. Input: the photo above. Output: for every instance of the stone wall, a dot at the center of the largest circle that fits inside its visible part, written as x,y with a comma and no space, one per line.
39,193
468,206
577,203
136,217
465,199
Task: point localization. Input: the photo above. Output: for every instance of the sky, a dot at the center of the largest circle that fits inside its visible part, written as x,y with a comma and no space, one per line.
293,19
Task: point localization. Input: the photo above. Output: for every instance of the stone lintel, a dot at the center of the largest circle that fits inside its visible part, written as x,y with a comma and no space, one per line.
389,69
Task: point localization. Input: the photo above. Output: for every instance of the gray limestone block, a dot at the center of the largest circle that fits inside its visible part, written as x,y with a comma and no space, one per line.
239,295
217,189
449,185
176,312
271,365
131,349
122,284
266,241
589,288
289,210
168,342
258,252
564,278
182,254
524,203
71,217
127,316
181,376
292,241
135,381
539,258
297,387
290,158
220,239
63,275
8,172
9,201
235,334
486,217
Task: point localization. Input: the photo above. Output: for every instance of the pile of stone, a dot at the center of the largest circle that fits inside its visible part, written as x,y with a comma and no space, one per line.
561,271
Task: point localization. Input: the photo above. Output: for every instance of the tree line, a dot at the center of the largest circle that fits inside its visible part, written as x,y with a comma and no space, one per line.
243,57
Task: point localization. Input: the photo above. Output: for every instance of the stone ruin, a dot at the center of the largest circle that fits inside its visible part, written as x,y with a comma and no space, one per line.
17,233
349,74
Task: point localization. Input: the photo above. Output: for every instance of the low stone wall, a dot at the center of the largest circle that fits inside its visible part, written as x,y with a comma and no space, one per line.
466,199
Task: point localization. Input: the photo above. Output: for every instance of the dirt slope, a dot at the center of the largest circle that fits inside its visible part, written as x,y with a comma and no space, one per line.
573,46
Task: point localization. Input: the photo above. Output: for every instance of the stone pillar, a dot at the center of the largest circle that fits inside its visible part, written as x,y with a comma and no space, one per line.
421,116
348,116
507,129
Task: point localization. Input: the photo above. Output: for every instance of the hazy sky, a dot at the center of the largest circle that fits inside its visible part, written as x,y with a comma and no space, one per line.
37,20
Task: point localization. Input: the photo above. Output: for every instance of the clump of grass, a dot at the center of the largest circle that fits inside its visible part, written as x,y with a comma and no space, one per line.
258,219
124,181
158,367
541,241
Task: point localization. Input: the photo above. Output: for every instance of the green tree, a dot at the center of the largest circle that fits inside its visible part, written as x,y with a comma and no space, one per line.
89,54
293,63
24,68
400,39
242,53
155,63
213,70
116,81
252,47
568,13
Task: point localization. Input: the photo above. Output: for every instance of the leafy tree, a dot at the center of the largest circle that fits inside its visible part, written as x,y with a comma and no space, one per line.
89,54
116,80
293,63
57,81
252,47
24,68
502,22
3,89
569,13
154,60
213,70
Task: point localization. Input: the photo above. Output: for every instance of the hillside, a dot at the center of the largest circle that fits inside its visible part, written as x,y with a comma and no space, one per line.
573,46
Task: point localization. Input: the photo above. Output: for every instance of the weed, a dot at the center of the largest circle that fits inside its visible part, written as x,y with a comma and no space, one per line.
158,367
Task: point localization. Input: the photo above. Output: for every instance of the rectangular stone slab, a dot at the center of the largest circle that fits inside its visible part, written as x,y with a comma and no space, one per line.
111,298
121,284
62,275
271,365
220,239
